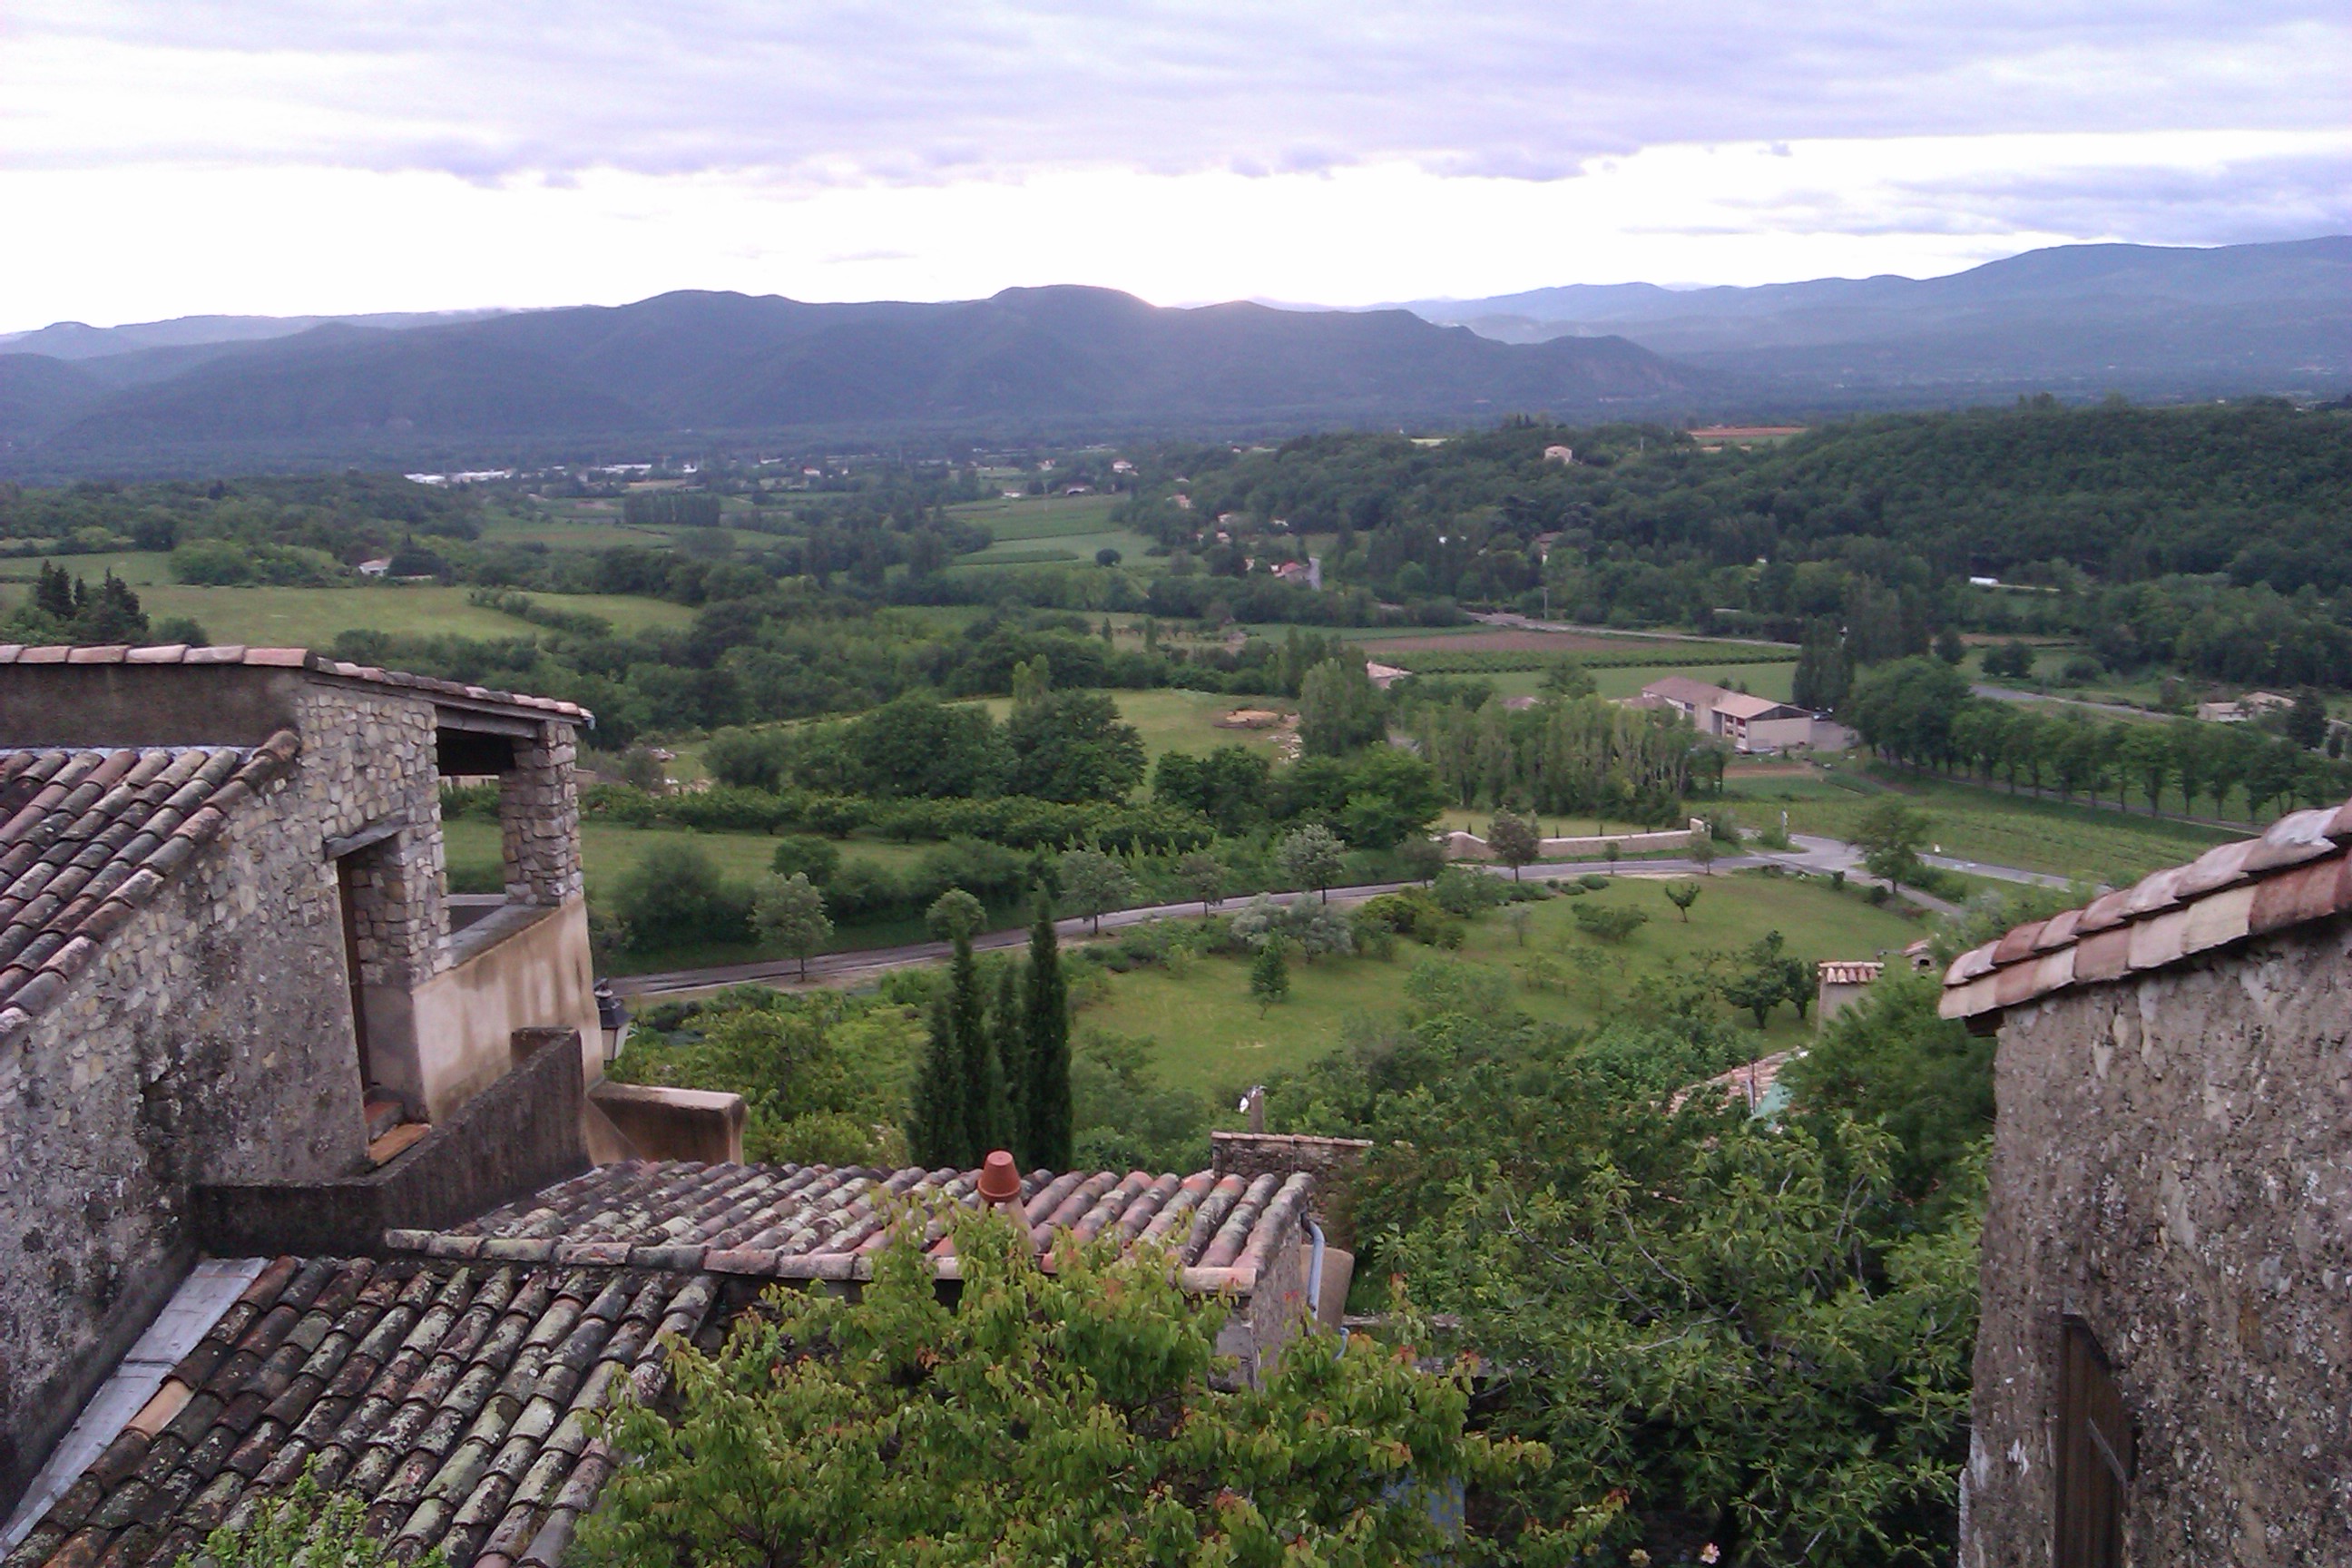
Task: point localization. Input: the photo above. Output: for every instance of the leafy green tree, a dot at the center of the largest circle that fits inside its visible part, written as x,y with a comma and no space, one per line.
806,856
1905,709
1311,857
1339,709
915,746
674,897
1889,835
1096,883
1046,1418
1269,976
789,912
1735,1338
1567,678
1203,875
1392,796
1682,895
1514,840
2306,721
955,916
1045,1096
1824,669
823,1075
1073,746
1889,1059
1950,647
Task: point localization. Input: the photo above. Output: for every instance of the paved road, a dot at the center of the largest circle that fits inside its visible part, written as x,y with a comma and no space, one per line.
1811,854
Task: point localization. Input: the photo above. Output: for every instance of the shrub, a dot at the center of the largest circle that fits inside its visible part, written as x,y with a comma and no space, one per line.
1609,923
728,809
623,804
803,855
1463,893
861,889
674,897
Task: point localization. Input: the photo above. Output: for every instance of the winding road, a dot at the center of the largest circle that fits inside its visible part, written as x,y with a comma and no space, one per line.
849,968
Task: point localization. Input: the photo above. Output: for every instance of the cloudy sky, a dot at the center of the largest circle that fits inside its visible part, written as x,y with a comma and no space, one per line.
272,156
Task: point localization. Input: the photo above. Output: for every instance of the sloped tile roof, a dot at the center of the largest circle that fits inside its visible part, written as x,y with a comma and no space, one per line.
451,1397
1749,1085
822,1221
88,836
1837,971
229,654
2294,872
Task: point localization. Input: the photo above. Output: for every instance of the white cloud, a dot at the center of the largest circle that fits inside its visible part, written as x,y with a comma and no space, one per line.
438,153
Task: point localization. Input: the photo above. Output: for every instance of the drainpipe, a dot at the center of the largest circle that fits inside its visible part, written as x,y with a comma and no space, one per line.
1315,1279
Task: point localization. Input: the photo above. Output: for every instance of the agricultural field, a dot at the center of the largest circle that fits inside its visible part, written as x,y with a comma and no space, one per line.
311,617
1976,823
1208,1034
1042,530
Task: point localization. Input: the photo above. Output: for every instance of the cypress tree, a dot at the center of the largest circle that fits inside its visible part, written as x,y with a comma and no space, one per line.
1046,1095
981,1096
1011,1044
936,1132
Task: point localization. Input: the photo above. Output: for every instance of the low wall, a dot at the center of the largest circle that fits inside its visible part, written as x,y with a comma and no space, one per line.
664,1123
520,968
1462,846
1332,1162
519,1134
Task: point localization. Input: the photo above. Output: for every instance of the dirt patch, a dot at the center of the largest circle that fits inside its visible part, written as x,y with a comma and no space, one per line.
1252,719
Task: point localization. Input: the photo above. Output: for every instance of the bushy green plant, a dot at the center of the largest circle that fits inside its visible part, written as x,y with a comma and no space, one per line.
1044,1418
674,898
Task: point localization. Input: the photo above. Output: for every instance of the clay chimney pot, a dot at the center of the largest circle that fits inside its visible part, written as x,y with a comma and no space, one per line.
999,1179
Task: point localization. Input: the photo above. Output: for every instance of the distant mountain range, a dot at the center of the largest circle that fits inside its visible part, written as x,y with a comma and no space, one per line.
2143,320
1045,362
216,394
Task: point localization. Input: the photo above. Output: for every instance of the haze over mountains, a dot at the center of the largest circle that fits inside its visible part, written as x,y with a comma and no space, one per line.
205,393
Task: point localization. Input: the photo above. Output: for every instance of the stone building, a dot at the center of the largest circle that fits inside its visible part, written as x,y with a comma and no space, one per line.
305,1164
227,957
2165,1354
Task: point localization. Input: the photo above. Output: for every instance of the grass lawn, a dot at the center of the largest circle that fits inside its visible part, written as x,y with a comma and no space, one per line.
1975,823
1209,1034
1173,721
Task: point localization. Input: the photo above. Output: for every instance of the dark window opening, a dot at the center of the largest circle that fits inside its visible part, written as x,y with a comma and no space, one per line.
2095,1453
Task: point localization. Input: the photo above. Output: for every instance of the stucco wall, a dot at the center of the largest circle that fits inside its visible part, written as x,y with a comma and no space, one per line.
540,975
2173,1163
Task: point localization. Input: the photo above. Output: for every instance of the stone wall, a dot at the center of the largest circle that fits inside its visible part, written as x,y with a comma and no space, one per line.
539,808
1332,1162
210,1039
521,1134
2173,1164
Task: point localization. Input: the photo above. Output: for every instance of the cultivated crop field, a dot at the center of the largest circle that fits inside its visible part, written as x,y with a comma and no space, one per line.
1207,1032
1975,823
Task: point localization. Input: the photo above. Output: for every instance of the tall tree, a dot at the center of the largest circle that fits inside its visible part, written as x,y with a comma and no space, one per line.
1311,857
1098,883
789,912
1514,840
1339,709
1009,1039
1045,1093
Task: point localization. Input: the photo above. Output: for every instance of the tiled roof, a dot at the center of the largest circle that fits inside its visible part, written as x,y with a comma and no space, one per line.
289,659
88,836
2297,871
452,1399
821,1222
1835,973
1685,689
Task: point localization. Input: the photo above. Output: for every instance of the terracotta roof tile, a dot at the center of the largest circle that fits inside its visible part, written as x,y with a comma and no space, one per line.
88,834
2298,870
1838,972
818,1222
292,658
451,1399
